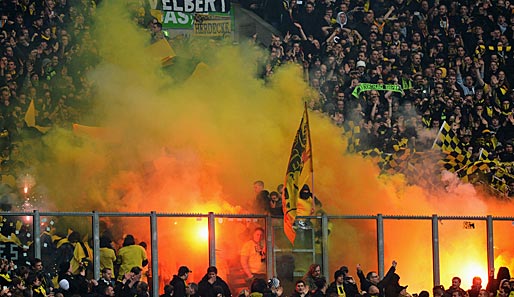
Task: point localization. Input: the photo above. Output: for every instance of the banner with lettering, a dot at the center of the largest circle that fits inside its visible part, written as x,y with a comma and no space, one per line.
213,28
196,6
379,87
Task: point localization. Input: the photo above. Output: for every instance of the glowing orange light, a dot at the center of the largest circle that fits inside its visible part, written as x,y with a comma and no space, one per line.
203,233
25,189
471,269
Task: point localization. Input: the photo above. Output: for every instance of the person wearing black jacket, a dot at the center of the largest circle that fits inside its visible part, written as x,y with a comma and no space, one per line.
206,287
127,287
372,278
179,281
72,284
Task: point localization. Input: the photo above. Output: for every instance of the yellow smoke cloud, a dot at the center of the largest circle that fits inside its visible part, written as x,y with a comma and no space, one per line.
197,145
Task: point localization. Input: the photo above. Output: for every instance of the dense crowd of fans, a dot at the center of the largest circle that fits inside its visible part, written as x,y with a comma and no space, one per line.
344,284
452,60
65,269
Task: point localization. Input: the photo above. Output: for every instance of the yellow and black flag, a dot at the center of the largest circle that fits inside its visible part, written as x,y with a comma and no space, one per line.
455,162
301,155
447,140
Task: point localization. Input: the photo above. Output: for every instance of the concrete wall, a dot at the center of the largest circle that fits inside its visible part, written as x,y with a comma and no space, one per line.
248,23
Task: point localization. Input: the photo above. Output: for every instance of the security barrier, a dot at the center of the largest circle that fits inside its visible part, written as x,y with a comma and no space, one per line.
220,230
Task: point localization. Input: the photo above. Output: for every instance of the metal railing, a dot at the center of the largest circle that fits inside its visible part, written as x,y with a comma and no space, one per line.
152,216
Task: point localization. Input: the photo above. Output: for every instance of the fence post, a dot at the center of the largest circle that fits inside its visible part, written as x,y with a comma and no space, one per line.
212,239
155,262
269,247
96,245
36,219
490,245
324,243
435,250
380,244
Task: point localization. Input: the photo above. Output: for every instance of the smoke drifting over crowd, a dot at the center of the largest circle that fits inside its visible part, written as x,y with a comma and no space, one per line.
197,145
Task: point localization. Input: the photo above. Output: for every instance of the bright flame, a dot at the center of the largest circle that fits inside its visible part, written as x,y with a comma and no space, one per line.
203,233
471,269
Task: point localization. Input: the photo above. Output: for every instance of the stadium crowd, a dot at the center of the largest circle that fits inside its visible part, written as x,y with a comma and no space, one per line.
422,66
390,73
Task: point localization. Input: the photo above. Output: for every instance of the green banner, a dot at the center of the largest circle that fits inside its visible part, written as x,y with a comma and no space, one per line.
185,20
177,20
379,87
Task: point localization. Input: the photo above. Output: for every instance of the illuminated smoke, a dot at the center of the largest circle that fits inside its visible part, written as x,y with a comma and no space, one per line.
197,145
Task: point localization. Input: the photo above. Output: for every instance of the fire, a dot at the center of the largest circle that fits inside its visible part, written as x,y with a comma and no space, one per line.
203,233
471,269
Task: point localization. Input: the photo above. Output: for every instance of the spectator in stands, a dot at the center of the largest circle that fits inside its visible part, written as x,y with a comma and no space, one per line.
70,284
393,287
350,286
261,196
192,289
45,277
35,284
311,276
179,281
107,253
105,280
82,254
128,286
211,280
275,204
301,289
168,291
337,286
455,287
372,278
476,287
253,256
321,287
130,255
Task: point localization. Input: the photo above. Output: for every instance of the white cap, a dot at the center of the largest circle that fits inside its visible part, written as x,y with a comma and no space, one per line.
64,284
361,63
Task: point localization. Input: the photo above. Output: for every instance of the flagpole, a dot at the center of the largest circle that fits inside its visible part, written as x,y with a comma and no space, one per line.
480,154
310,159
439,133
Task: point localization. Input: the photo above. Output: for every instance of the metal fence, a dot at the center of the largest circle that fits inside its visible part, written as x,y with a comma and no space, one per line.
272,232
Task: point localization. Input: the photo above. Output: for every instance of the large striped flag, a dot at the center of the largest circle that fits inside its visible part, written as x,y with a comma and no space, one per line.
301,154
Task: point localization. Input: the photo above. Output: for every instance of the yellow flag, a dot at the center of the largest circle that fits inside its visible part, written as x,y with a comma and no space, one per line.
30,118
161,50
30,115
200,72
301,154
98,133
